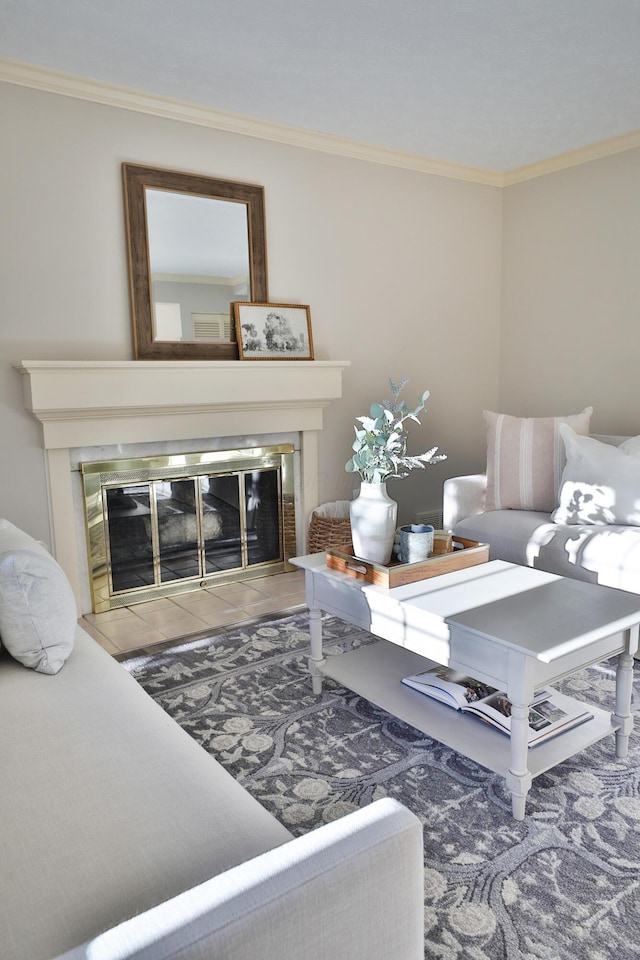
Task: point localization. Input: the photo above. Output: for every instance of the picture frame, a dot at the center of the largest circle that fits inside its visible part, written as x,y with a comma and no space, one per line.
273,331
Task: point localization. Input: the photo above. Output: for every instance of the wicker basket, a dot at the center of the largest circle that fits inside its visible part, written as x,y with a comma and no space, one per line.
330,526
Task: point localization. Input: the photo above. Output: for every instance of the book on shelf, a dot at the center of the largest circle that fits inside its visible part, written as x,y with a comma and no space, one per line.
550,713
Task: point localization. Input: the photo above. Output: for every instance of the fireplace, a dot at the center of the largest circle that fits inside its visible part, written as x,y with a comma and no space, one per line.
127,409
157,526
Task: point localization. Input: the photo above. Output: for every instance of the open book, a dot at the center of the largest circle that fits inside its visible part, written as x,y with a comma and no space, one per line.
550,713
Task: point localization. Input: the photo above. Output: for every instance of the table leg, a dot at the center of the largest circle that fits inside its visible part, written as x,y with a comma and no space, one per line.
316,660
518,778
623,715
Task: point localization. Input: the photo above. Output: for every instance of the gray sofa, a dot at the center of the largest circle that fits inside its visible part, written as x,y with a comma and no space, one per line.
604,553
120,837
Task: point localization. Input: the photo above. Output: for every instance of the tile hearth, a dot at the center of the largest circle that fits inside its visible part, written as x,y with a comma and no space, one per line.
158,621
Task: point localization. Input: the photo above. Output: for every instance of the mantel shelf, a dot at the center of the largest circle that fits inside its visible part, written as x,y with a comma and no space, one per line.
89,402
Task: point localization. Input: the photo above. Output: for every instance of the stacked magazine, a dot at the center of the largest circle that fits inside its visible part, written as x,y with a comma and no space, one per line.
550,713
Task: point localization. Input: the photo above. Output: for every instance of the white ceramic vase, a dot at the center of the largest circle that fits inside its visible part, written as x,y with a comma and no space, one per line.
373,523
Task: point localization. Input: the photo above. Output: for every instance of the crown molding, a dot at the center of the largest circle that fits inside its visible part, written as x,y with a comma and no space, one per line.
81,88
573,158
183,111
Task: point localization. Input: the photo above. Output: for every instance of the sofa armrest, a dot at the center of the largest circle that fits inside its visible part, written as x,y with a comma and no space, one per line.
462,497
351,888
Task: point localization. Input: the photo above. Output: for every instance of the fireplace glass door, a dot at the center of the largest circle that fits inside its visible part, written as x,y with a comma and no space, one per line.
161,534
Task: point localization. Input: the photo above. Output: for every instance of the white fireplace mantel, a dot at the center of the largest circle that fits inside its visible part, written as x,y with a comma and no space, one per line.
96,403
83,403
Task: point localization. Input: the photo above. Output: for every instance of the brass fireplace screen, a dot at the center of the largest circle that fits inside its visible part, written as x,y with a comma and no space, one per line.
157,526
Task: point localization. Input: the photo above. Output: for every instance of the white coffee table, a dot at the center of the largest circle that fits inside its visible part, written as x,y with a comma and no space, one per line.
510,626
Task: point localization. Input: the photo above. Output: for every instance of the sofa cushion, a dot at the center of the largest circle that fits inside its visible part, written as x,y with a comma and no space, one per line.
38,612
107,806
508,533
608,555
525,459
309,898
600,483
631,446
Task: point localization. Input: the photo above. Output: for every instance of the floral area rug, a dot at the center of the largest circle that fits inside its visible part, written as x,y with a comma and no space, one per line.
562,884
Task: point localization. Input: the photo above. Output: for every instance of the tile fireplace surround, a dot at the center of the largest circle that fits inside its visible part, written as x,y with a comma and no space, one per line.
98,404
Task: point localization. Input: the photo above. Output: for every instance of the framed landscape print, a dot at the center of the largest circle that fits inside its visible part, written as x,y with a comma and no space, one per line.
273,331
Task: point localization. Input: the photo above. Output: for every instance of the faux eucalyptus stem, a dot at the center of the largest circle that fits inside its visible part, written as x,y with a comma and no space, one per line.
380,446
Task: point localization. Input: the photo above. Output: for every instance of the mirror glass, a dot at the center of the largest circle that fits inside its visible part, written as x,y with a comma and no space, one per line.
196,244
199,263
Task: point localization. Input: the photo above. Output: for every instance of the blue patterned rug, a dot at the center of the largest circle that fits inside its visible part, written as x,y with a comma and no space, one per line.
562,884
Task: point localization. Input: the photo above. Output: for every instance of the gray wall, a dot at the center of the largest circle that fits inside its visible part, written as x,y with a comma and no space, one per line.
571,300
194,298
524,300
402,271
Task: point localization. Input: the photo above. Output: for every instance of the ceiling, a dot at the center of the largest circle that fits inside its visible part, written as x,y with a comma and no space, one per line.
491,84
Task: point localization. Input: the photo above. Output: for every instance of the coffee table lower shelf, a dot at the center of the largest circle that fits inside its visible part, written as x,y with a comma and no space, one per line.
375,672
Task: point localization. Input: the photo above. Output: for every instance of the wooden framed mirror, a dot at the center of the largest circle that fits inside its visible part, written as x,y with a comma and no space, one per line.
195,245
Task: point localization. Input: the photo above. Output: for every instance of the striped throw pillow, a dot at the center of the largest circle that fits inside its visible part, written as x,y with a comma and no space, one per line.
525,459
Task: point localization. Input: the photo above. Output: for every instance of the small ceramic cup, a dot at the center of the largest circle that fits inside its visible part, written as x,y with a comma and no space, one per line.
416,542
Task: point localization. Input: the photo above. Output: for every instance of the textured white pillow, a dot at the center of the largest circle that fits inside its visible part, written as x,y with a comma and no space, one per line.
600,482
525,458
38,613
631,446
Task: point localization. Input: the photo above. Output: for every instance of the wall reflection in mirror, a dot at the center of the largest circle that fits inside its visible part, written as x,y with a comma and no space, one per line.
199,263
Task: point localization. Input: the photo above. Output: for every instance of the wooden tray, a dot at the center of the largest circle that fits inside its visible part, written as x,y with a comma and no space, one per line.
396,574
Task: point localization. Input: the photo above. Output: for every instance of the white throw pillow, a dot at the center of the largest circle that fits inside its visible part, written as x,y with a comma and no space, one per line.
525,458
38,613
631,446
600,482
